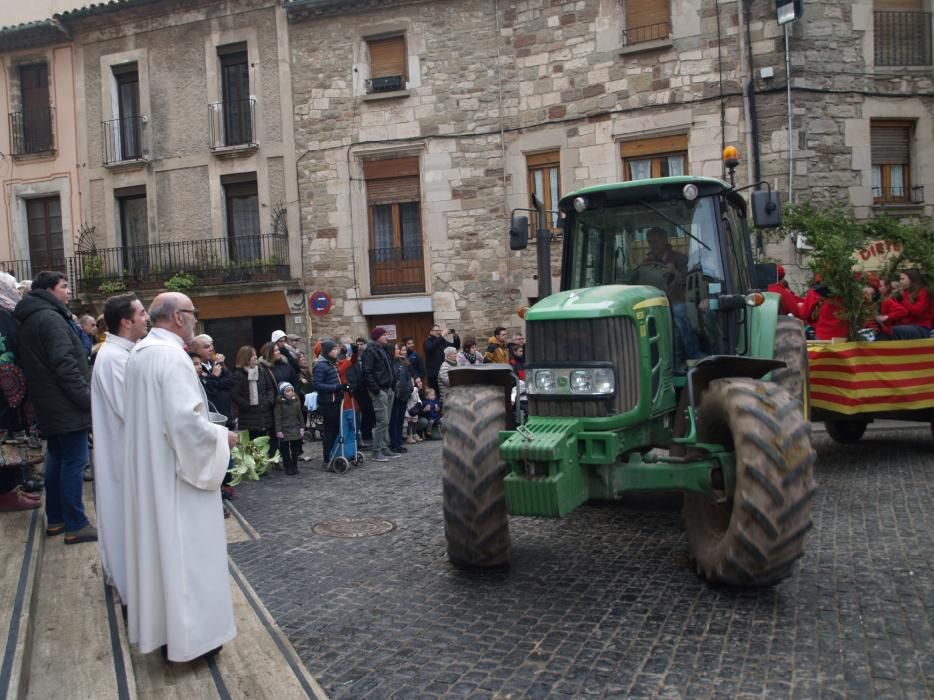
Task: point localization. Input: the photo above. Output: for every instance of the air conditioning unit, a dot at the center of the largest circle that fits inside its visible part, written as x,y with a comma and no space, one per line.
386,83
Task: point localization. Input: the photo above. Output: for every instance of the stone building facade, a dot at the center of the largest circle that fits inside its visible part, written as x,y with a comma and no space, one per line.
487,101
187,159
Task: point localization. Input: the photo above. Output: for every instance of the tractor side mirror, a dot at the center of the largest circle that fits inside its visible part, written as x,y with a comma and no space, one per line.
519,233
764,274
766,209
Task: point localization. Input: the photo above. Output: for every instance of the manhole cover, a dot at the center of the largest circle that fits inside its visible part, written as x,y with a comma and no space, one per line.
353,527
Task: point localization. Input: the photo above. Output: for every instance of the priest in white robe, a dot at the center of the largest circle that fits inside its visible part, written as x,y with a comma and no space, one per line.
127,319
178,590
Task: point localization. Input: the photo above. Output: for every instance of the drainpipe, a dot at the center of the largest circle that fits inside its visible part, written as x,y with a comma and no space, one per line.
791,147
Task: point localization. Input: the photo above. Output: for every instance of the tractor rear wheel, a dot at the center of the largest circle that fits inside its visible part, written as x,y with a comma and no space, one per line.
754,536
476,524
791,347
846,432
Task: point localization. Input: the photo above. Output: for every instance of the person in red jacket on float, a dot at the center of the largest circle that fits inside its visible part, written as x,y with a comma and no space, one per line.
790,302
891,312
824,312
916,300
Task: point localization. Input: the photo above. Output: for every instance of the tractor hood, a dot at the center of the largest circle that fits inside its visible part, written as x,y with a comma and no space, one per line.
596,302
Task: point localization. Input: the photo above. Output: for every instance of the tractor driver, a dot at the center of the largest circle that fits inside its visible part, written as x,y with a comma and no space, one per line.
673,266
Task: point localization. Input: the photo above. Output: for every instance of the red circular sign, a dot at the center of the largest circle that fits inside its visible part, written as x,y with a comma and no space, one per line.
320,303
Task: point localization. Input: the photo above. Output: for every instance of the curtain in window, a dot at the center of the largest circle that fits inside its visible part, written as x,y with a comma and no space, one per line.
382,232
244,213
897,176
411,231
640,169
675,165
877,181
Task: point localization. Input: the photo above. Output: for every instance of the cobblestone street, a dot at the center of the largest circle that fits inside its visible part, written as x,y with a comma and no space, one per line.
602,602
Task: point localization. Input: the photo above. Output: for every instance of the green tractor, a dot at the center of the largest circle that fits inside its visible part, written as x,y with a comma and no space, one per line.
658,367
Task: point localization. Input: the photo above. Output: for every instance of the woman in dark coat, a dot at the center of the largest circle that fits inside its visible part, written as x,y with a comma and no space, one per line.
327,383
254,394
269,364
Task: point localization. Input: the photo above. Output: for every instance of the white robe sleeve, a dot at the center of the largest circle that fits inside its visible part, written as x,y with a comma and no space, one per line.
201,449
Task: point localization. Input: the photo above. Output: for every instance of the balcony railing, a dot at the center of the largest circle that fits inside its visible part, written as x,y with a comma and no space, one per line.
396,270
387,83
902,38
122,139
232,123
898,195
648,32
216,261
31,131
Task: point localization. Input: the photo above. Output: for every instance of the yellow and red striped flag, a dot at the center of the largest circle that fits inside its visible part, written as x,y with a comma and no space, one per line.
863,377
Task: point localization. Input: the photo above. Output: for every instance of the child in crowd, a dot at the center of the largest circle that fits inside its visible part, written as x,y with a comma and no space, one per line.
413,409
289,426
431,410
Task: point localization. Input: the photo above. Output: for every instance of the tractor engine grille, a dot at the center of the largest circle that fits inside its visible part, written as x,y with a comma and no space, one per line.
589,339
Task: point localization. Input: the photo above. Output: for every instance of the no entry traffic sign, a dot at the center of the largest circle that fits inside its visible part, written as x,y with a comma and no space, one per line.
320,303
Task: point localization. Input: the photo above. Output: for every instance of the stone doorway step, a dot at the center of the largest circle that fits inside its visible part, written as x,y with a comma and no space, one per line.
65,635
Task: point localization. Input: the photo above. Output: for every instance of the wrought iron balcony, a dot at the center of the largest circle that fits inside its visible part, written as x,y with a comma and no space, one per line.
648,32
232,123
213,261
386,83
902,38
122,139
898,195
31,131
396,270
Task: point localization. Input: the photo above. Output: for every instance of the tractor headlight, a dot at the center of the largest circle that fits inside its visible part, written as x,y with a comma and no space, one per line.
579,382
544,381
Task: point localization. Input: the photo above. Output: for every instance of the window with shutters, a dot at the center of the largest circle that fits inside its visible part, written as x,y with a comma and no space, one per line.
646,21
544,186
891,163
31,127
393,194
661,156
387,64
902,33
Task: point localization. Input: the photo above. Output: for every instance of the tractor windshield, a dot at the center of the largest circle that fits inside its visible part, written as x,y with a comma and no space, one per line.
672,245
639,243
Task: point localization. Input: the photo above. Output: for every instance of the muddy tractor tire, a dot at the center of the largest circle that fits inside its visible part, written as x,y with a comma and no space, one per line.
791,347
846,432
754,536
476,524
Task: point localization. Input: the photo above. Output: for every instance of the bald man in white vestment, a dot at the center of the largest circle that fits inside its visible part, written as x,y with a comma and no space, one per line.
178,590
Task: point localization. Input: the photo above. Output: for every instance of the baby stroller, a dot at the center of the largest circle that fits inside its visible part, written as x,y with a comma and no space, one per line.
344,452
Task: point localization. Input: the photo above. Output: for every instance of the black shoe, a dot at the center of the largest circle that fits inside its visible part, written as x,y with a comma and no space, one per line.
88,474
399,450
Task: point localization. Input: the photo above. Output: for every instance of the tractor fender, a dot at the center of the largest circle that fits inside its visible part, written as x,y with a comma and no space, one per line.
721,366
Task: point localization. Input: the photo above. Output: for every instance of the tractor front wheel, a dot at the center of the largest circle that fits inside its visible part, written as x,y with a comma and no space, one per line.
846,432
756,533
476,524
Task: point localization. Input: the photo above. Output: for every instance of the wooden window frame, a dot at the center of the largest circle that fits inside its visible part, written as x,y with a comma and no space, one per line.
543,162
394,60
397,274
886,196
655,149
646,21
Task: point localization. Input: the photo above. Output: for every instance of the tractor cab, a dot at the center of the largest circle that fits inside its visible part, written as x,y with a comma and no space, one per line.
685,236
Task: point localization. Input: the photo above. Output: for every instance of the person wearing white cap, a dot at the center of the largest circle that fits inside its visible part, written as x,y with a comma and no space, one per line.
288,352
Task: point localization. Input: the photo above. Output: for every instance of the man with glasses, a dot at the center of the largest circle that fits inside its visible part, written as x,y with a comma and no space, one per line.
178,593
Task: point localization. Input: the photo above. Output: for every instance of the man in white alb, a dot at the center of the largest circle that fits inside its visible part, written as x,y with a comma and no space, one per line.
127,319
178,591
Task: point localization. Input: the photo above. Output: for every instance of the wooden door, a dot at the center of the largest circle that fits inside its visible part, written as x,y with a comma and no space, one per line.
44,221
37,118
403,325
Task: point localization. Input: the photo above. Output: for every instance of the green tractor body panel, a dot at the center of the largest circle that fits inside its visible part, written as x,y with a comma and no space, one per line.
595,302
761,321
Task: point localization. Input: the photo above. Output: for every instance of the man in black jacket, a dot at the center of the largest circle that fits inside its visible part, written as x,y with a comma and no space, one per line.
380,380
434,347
57,374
